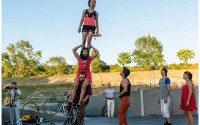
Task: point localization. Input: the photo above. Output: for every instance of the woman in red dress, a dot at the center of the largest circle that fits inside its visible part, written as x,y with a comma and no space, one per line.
188,103
84,61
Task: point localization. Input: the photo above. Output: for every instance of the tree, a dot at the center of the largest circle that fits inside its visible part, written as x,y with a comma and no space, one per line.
124,58
98,65
148,52
20,60
56,65
185,54
115,68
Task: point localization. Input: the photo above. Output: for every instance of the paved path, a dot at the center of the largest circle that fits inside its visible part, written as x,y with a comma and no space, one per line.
147,120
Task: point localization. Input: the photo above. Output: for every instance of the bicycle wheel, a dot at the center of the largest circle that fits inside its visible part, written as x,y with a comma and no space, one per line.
30,111
51,106
104,111
66,122
71,116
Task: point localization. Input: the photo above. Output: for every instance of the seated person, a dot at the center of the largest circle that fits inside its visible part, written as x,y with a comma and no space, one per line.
85,100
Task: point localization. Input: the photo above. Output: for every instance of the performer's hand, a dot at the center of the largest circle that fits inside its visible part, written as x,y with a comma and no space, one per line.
97,32
117,96
83,101
187,104
79,30
165,100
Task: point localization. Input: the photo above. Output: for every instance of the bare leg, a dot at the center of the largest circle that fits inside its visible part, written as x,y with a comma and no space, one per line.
85,84
190,117
89,40
84,37
168,120
186,118
73,93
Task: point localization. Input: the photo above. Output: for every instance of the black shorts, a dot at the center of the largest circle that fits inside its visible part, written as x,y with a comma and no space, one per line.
88,28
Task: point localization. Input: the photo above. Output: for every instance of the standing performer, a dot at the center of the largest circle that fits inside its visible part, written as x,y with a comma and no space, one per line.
89,20
164,97
109,94
14,93
188,103
84,61
125,91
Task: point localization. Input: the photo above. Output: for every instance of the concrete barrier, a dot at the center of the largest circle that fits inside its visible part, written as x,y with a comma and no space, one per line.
95,106
150,106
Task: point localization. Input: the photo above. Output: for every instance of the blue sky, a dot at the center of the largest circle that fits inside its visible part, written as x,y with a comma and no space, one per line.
51,26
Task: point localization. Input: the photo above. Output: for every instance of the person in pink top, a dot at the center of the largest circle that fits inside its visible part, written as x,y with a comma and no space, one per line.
90,23
188,103
84,61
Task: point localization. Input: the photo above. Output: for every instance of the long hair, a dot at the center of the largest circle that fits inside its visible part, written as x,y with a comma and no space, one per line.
82,56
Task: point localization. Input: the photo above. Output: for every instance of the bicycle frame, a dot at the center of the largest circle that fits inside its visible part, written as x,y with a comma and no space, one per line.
71,115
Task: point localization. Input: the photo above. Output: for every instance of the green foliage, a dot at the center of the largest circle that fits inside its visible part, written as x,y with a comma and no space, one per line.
185,54
99,66
136,68
148,52
20,60
56,65
72,69
115,68
124,58
36,90
182,66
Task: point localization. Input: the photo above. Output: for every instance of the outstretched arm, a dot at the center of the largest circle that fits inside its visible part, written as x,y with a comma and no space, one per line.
81,22
96,52
74,51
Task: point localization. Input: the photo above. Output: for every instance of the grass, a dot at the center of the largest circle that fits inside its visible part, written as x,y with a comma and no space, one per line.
56,86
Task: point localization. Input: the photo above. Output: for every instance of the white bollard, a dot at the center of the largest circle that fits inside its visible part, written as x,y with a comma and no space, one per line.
142,102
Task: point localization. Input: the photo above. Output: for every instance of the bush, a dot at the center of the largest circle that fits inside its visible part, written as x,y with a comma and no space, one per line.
182,66
115,68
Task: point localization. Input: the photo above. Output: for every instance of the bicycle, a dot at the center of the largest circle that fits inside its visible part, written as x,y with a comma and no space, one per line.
62,107
105,110
33,110
30,112
53,110
71,117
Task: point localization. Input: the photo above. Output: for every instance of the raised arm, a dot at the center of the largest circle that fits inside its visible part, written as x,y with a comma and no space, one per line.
74,51
81,22
96,52
97,23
